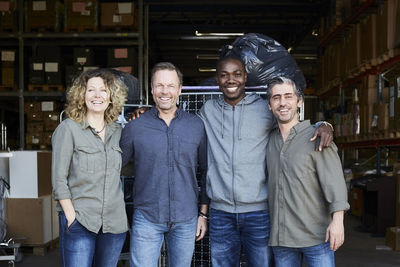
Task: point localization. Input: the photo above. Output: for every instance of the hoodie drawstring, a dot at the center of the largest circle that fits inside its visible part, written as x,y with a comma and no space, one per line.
240,120
222,122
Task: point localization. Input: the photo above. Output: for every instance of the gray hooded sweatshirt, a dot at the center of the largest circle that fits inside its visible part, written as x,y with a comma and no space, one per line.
237,144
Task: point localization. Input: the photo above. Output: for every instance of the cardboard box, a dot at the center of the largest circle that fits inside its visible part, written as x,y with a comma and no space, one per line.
397,114
381,110
34,128
393,238
122,56
44,14
8,16
45,138
34,116
30,174
53,73
8,58
83,56
30,218
30,107
36,70
71,72
51,120
80,14
356,201
118,14
8,76
33,138
49,106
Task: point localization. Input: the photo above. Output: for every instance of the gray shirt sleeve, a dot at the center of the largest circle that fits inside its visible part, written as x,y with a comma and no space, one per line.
62,143
330,175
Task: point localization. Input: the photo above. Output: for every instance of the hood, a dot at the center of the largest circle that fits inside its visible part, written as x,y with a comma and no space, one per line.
248,99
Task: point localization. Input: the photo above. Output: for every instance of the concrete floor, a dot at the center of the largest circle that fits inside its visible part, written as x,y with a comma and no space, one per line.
359,249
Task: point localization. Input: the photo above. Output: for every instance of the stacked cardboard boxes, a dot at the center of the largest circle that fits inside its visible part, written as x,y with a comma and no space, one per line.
43,15
42,120
47,64
80,15
120,15
30,209
123,59
8,66
8,16
372,41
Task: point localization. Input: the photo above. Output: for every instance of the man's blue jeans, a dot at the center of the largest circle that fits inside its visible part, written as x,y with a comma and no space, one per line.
147,239
316,256
230,231
82,248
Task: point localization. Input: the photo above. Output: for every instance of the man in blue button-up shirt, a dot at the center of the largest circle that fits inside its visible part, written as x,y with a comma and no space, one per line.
167,146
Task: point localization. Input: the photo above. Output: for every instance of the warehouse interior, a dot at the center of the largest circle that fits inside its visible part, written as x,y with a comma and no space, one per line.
347,50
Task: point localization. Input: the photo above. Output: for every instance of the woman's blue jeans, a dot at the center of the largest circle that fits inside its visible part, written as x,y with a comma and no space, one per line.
82,248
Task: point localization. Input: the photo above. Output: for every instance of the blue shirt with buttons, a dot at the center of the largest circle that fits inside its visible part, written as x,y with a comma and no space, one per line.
166,161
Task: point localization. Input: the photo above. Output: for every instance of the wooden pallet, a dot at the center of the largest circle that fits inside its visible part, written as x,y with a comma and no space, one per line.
8,88
45,87
118,28
41,29
80,28
40,249
8,28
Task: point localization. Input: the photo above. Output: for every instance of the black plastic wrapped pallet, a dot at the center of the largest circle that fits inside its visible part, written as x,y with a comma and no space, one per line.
132,83
264,59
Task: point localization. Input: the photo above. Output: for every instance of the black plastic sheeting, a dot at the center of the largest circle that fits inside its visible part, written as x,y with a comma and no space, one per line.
132,83
264,59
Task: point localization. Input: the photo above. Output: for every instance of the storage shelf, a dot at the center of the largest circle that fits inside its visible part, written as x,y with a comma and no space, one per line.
374,70
370,143
43,94
68,35
349,20
9,93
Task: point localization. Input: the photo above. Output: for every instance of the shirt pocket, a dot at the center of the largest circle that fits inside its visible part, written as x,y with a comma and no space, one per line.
116,158
88,157
187,153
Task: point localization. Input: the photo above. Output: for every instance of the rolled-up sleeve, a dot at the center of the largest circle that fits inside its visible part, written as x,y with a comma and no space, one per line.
331,178
63,149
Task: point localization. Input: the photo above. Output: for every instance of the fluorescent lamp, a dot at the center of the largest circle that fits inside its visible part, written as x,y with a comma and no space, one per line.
207,69
207,56
197,33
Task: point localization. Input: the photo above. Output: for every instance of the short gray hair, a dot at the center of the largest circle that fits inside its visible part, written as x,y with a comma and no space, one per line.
282,80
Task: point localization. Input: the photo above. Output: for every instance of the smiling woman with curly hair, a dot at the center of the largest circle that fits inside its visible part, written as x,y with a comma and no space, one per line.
86,165
76,108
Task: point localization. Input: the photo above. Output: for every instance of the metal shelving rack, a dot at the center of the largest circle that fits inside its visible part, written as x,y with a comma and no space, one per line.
363,10
22,39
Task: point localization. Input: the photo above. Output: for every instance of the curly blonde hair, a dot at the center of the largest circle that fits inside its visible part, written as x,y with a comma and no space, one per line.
76,108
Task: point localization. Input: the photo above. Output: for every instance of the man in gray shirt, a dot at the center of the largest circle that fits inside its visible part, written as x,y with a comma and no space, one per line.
307,192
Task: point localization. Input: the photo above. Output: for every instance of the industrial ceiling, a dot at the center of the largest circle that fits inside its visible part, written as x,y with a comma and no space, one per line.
173,24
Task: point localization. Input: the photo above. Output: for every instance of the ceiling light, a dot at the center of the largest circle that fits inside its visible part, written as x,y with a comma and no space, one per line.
207,56
197,33
207,69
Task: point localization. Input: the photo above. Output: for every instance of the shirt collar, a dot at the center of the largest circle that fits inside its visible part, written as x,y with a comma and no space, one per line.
300,127
111,126
154,111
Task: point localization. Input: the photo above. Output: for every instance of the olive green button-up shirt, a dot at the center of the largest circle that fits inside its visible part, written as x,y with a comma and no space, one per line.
87,171
305,187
